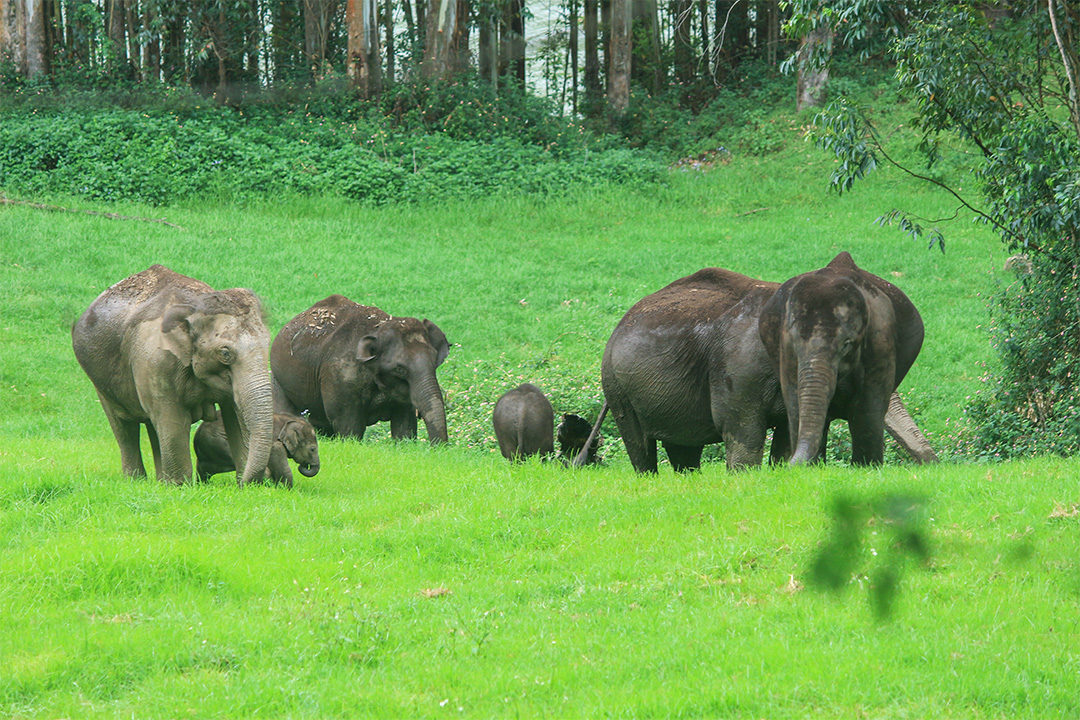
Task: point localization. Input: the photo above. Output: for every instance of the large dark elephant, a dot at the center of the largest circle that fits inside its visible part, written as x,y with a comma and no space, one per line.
524,420
840,340
294,439
685,366
162,349
351,366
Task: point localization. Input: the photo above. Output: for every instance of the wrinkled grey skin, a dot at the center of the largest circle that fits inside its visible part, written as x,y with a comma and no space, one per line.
162,350
523,421
840,340
294,439
686,367
351,366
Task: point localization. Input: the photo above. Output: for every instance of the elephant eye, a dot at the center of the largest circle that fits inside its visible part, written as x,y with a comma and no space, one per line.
401,371
226,355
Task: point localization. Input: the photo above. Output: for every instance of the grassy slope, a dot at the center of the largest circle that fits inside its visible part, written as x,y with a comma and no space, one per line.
406,581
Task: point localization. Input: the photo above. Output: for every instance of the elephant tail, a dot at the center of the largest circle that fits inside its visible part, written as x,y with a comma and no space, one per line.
582,457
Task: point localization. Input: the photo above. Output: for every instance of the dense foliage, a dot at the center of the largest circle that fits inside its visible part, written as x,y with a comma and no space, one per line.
997,92
420,142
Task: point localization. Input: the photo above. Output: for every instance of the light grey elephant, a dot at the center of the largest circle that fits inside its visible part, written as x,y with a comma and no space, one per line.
162,350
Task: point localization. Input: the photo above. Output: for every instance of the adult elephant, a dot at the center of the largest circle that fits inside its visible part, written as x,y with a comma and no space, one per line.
686,367
162,350
840,341
352,365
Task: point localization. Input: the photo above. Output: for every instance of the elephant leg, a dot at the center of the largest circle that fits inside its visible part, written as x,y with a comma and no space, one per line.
279,469
780,450
683,458
126,433
403,424
744,448
173,432
155,447
640,449
867,426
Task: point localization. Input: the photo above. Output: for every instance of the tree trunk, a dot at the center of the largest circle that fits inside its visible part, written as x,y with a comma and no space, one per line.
512,41
487,57
1066,42
317,17
441,23
37,61
619,67
174,67
362,66
683,50
593,89
388,26
115,30
645,65
813,68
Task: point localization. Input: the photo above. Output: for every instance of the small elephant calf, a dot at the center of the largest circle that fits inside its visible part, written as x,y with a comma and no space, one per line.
294,437
523,421
572,434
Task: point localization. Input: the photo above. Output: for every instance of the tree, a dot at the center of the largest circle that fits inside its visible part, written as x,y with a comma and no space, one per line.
1005,89
362,65
619,65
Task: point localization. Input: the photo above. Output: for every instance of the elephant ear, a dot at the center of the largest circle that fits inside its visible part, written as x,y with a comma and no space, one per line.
176,332
843,261
438,341
290,436
367,349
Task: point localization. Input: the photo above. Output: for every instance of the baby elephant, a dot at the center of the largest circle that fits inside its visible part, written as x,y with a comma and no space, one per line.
523,422
572,434
293,438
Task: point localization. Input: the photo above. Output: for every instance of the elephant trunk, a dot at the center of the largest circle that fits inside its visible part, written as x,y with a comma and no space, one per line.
255,413
428,399
816,385
309,469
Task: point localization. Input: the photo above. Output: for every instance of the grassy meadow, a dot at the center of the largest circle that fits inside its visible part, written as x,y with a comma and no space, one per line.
410,581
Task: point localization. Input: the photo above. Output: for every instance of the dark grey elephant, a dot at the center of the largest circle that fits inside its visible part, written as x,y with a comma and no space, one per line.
840,340
162,350
686,367
524,422
351,366
294,439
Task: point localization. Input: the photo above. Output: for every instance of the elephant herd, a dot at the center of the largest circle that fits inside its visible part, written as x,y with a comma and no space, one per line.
713,357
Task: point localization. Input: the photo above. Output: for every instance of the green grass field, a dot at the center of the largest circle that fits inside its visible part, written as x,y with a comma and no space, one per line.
410,581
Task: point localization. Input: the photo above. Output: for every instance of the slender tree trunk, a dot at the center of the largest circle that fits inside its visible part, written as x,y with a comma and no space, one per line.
37,60
593,89
441,23
1066,42
813,72
174,68
706,38
683,51
621,48
115,30
317,17
134,48
572,51
13,35
388,27
512,41
362,66
152,49
487,57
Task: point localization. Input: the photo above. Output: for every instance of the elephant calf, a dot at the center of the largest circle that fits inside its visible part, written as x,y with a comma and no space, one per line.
573,433
523,421
293,438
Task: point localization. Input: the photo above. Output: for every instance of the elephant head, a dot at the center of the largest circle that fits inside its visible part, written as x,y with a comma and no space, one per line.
301,444
841,340
222,339
403,353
